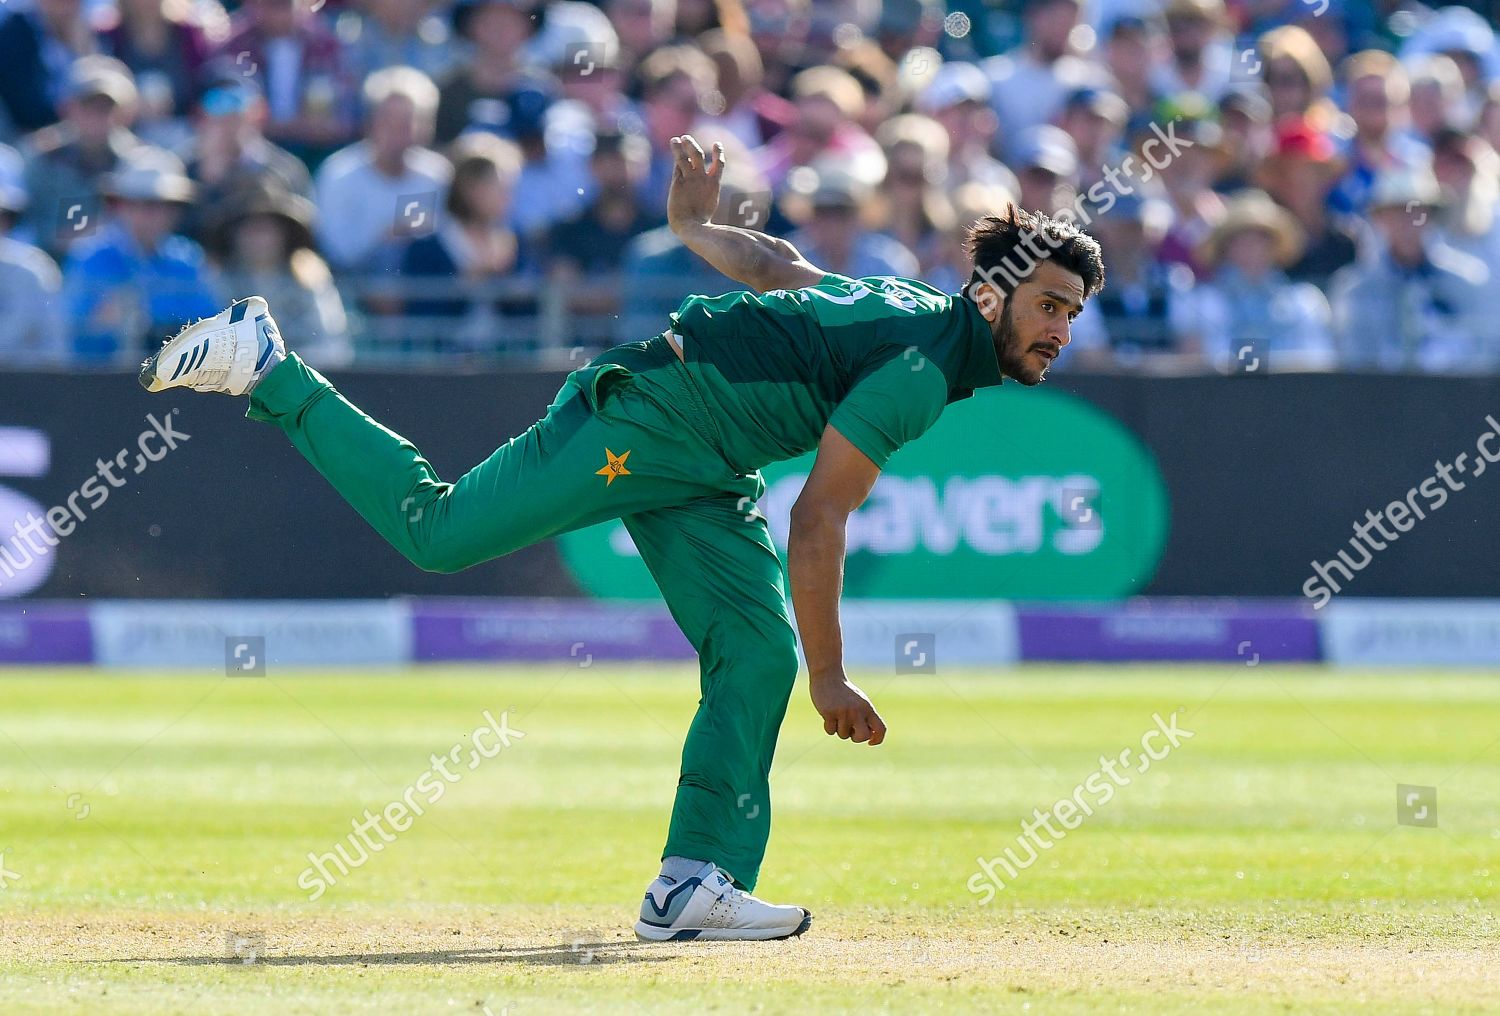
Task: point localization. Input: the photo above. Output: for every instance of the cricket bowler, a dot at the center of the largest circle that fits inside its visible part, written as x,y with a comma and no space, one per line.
669,434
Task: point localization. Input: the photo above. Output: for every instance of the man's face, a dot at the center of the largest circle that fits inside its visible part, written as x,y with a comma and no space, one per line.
1034,323
1370,105
673,108
395,126
500,29
149,222
93,117
1402,229
1050,23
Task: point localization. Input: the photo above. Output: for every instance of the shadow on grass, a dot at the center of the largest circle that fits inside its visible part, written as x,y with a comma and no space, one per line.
576,954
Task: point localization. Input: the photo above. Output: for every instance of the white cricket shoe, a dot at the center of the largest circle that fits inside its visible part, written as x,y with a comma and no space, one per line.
229,352
709,907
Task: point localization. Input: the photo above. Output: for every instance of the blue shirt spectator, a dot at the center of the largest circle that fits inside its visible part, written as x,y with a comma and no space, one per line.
135,282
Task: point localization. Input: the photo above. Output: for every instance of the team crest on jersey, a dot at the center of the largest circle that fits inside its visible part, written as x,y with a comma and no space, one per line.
614,466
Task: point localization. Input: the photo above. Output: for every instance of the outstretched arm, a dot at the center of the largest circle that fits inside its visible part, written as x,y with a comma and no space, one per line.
756,259
840,481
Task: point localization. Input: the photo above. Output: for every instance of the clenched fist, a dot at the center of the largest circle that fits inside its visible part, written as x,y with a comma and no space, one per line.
846,710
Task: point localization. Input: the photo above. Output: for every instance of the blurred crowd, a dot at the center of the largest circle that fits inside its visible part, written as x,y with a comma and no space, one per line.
1303,184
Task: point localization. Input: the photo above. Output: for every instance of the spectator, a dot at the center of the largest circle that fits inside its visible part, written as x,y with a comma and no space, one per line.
378,192
1029,83
780,29
1297,76
1094,118
262,243
1188,181
906,25
915,206
1244,118
1047,167
397,33
1300,173
33,324
475,247
579,45
1379,107
882,93
1132,313
659,268
1437,96
1198,34
641,26
230,153
1130,55
1404,305
970,202
1467,39
828,105
676,81
1249,310
751,113
594,243
831,207
554,183
135,283
37,49
165,48
299,66
482,91
65,162
1468,171
958,98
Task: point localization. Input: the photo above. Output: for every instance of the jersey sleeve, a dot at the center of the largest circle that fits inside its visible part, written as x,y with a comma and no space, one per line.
893,404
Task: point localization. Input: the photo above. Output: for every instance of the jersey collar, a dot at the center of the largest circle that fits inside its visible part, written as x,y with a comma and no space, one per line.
981,367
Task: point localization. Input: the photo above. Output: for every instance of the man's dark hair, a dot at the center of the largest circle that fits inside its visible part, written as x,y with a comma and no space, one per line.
1006,249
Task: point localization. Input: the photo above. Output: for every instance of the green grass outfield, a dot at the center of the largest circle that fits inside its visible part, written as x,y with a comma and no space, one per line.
1257,868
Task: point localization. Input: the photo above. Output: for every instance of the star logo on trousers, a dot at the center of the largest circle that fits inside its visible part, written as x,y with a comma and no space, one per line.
614,467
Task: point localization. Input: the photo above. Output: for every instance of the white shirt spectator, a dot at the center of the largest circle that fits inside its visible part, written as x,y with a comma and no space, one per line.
1026,92
1237,320
33,330
363,213
1394,318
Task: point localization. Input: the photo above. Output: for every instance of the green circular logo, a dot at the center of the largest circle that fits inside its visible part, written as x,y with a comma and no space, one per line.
1011,495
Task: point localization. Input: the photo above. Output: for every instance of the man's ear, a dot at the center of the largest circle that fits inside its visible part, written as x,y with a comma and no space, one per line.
990,299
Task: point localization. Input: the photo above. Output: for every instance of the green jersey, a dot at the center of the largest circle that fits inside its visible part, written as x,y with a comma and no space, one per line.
877,359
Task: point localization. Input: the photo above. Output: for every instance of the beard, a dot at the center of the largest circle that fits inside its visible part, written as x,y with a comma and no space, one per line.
1018,361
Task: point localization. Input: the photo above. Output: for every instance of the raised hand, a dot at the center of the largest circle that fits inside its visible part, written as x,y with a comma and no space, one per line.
694,196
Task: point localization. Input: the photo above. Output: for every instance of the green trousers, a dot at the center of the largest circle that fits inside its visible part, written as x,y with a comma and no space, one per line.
627,437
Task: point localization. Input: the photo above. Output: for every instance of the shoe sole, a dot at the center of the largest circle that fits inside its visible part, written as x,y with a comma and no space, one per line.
148,370
149,375
650,933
